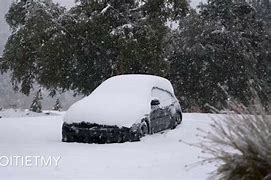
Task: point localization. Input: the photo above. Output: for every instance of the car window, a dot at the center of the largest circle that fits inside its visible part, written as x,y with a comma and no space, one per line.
165,97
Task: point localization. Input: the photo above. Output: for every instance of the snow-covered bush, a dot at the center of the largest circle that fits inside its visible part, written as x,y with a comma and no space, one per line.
241,144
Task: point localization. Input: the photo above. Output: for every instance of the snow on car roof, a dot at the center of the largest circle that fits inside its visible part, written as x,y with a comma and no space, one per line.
121,100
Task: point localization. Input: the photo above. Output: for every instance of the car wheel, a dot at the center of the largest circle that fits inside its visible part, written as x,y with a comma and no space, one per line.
177,120
143,129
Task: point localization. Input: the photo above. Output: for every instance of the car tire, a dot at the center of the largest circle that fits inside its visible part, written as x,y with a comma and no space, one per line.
177,120
143,129
180,118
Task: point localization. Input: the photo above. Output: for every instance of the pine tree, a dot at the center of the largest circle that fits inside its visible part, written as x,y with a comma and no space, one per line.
36,103
57,106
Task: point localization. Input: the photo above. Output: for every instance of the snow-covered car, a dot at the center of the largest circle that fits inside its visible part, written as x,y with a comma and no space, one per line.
123,108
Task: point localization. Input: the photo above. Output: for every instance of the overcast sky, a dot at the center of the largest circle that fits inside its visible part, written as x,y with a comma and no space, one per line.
67,3
194,3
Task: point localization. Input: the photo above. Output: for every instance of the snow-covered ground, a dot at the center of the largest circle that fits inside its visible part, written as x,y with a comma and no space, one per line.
12,113
159,156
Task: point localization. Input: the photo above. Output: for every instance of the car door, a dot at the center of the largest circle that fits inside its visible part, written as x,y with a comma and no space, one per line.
161,117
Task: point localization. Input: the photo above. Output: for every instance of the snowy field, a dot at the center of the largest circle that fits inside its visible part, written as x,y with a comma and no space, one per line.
159,156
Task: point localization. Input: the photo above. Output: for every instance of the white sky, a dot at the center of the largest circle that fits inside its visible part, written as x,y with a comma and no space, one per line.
67,3
194,3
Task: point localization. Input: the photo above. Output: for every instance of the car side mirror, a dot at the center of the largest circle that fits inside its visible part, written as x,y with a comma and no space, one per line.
155,102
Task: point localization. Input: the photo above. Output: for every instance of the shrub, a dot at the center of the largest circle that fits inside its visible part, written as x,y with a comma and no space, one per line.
240,144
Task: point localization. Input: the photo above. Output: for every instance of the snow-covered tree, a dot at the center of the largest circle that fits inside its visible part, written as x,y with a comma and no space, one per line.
80,48
36,103
219,50
32,23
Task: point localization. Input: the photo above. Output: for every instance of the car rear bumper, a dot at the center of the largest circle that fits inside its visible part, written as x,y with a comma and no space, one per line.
94,133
